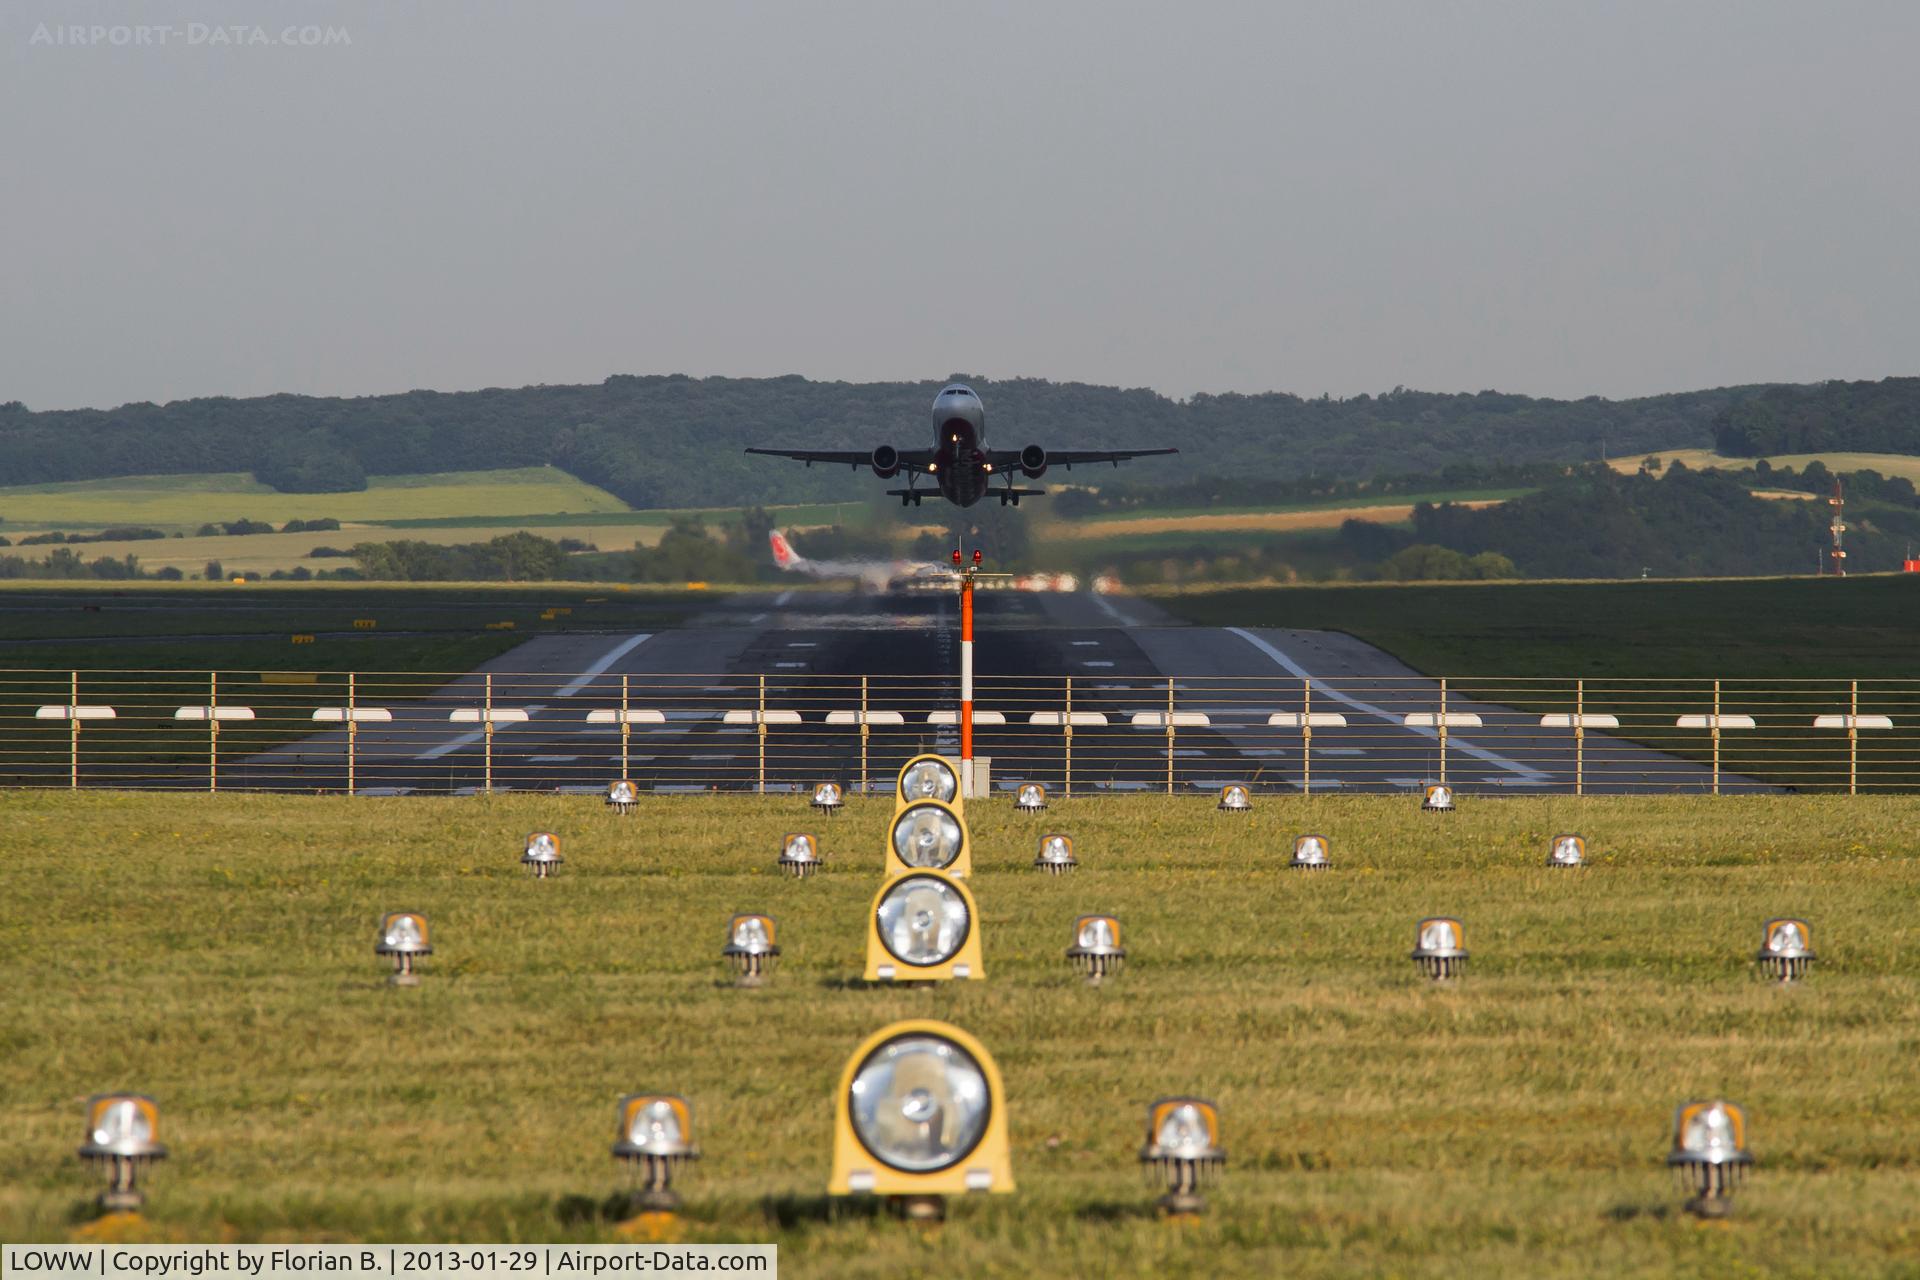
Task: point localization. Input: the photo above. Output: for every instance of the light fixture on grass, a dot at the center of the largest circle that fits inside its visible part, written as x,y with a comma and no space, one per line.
1030,798
751,948
622,796
542,854
799,854
923,927
403,935
123,1134
655,1141
1786,949
927,777
1439,799
1096,950
828,798
1234,799
1439,948
1567,851
1055,855
928,835
920,1115
1710,1154
1183,1151
1309,854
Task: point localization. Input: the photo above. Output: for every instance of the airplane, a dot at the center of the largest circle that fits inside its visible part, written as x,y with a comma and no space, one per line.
875,575
961,465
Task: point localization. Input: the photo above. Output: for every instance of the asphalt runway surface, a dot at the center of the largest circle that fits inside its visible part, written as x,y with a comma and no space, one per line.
807,663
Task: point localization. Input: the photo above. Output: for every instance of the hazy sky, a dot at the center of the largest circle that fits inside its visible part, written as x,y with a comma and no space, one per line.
1554,198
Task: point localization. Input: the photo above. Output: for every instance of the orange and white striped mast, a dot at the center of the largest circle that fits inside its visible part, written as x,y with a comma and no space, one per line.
966,573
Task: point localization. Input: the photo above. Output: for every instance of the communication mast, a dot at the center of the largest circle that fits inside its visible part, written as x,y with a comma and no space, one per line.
1839,527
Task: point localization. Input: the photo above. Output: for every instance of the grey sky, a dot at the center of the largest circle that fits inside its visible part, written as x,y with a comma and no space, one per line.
1560,199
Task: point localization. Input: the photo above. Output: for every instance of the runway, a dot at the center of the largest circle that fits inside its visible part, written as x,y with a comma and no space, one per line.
767,691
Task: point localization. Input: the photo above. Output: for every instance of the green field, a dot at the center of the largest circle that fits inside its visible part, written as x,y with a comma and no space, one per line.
216,952
1355,502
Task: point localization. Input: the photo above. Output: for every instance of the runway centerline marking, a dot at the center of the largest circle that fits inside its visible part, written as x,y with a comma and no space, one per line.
1107,606
780,601
599,668
1460,744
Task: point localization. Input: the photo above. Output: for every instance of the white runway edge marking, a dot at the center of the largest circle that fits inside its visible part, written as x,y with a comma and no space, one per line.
566,690
780,601
1107,607
1456,743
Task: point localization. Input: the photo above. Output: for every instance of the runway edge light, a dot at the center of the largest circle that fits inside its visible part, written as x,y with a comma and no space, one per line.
920,1115
1567,850
752,947
542,853
1786,949
1096,951
1309,854
1183,1150
404,936
1235,799
655,1140
1438,799
1055,855
1031,797
1710,1154
799,854
923,927
1439,947
828,798
622,796
123,1132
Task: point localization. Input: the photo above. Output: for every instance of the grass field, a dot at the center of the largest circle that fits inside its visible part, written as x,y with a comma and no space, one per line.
1887,464
217,953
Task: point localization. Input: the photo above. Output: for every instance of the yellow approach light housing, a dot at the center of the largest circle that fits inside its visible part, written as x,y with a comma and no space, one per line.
928,835
655,1141
1567,851
1096,950
1309,854
928,777
752,948
1710,1154
622,796
923,927
1439,799
1056,854
799,854
1183,1150
403,935
1235,799
921,1114
1440,947
1030,798
542,854
1786,949
123,1133
828,798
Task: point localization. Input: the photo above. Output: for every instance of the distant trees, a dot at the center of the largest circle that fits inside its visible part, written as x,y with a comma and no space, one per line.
1864,417
514,557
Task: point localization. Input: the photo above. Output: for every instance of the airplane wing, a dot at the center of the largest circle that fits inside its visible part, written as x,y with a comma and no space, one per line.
910,459
1007,458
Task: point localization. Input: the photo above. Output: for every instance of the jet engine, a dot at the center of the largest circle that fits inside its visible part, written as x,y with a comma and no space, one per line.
1033,461
886,461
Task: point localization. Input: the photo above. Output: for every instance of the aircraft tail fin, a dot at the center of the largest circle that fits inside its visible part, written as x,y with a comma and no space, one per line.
784,556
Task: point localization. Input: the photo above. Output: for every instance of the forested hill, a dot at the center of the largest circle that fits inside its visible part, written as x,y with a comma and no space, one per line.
1855,417
677,441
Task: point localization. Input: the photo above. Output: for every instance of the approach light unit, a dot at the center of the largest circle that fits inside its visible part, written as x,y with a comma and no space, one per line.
622,796
654,1140
1567,851
1056,854
1183,1151
1439,799
828,798
542,854
927,777
1234,799
1439,948
928,835
1030,798
923,927
1710,1154
751,948
1309,854
123,1133
920,1115
799,854
1096,950
403,935
1786,949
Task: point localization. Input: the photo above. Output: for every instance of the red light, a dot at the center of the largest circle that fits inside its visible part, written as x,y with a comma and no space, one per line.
956,555
976,557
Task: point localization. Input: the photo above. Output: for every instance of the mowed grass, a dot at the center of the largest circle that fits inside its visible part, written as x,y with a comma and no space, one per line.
217,953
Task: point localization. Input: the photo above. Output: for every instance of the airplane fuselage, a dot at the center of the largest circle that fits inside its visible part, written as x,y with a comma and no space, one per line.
960,464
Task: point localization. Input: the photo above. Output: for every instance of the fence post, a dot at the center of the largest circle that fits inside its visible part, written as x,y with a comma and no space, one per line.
1169,735
1066,724
1306,737
213,731
865,731
1443,731
760,721
1716,737
73,732
486,719
353,727
626,730
1853,737
1579,737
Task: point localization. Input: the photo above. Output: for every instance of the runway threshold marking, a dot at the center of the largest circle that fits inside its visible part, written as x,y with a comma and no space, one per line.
1459,744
